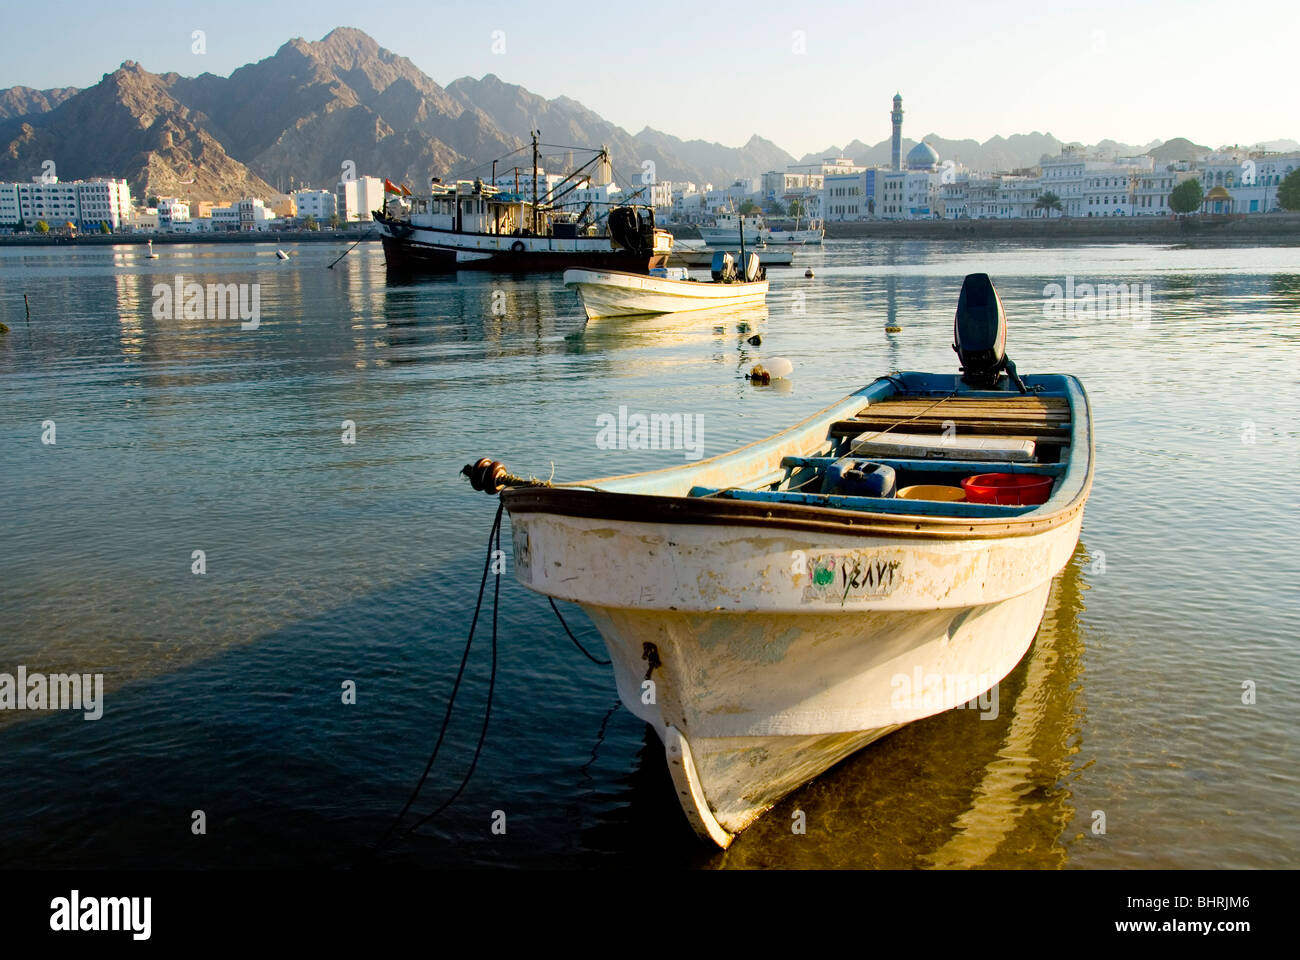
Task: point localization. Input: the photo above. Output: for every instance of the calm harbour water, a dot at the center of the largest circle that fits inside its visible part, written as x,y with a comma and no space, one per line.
329,562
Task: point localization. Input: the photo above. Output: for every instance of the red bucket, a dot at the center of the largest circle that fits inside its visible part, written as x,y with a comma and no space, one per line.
1013,488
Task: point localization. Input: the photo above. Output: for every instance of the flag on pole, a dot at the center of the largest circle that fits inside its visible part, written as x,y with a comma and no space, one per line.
389,187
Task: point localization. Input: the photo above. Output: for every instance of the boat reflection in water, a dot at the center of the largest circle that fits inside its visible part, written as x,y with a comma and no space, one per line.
644,330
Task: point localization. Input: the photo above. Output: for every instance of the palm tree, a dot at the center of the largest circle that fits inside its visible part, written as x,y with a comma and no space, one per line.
1049,202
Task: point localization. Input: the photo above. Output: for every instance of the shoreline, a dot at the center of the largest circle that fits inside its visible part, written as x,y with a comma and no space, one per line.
1282,228
140,239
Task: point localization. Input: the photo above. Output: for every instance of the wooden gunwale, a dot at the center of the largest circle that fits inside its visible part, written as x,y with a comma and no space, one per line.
648,508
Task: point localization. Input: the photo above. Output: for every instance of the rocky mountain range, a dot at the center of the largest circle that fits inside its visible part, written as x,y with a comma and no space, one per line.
20,101
315,110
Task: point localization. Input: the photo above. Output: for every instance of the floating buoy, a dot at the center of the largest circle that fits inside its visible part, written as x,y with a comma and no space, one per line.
3,327
780,367
755,340
776,369
893,329
808,273
281,254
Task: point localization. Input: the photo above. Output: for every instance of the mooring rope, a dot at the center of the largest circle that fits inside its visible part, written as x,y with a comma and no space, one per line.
603,663
493,547
494,543
492,682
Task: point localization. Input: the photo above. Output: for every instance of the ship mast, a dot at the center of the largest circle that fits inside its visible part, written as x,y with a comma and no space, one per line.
535,199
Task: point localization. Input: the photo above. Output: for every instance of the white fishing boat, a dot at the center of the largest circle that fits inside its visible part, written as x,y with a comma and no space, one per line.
611,293
812,234
685,256
772,610
727,228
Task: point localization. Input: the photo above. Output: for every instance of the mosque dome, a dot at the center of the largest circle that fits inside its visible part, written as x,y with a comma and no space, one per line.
922,157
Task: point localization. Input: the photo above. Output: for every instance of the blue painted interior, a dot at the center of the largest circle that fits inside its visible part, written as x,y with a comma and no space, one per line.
925,508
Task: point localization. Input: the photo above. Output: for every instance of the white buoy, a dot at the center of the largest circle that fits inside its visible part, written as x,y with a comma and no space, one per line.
281,254
150,255
779,367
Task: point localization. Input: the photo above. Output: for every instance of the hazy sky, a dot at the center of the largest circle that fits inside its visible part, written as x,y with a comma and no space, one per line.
805,75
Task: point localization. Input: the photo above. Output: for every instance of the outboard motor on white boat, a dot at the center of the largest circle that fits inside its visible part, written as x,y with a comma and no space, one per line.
724,267
980,335
752,270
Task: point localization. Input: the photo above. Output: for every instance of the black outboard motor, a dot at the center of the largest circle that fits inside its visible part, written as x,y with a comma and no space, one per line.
626,229
980,335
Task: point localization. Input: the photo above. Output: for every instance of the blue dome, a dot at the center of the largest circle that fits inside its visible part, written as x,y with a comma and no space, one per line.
922,157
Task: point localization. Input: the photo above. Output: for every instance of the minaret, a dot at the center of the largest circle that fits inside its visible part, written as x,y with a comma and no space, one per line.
896,153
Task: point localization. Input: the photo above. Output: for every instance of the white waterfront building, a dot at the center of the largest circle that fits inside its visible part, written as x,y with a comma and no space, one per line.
225,218
1251,179
356,199
1106,187
318,204
83,203
172,213
844,197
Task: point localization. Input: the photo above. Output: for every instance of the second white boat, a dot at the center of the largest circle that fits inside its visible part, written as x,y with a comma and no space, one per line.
612,293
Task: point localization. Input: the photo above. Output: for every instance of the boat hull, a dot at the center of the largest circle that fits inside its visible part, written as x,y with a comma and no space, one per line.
620,294
794,237
730,237
704,258
756,679
423,250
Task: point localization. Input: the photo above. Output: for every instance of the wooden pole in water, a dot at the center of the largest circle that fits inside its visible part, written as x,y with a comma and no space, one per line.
28,307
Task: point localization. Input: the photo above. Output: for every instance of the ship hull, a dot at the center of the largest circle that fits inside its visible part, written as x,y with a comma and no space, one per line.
422,250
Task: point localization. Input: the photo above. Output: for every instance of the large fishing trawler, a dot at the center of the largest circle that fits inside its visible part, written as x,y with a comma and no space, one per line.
469,224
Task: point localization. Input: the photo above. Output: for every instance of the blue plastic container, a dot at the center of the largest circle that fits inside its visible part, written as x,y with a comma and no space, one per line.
859,478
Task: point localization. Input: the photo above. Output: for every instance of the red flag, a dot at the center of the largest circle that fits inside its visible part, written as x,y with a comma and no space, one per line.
406,191
390,188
